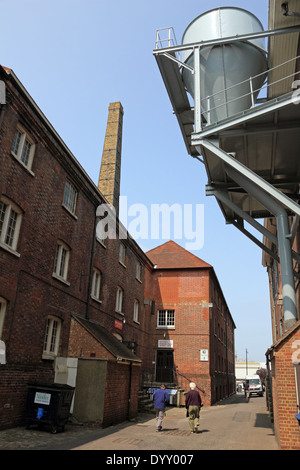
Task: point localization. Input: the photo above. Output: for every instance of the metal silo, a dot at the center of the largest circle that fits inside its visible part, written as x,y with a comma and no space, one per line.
225,70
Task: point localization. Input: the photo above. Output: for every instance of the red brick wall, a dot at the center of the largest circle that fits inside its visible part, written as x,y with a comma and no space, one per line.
26,281
13,391
117,406
114,275
284,394
185,291
83,344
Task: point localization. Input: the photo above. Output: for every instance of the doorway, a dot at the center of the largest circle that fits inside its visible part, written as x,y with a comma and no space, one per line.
164,366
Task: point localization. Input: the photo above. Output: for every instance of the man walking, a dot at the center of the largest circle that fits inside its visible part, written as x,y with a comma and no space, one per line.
160,397
247,391
193,404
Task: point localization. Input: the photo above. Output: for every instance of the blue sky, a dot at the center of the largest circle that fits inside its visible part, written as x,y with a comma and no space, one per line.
75,57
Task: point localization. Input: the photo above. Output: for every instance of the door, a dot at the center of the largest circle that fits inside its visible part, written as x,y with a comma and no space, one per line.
164,366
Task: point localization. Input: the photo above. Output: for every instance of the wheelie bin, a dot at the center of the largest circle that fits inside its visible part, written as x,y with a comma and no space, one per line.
48,404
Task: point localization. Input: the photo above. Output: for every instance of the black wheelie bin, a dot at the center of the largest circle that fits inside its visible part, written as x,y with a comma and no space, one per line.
48,404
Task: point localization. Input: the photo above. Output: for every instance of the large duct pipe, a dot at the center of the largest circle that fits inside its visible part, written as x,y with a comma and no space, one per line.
284,244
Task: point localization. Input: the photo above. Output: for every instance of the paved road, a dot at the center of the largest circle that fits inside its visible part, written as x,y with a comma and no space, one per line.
231,425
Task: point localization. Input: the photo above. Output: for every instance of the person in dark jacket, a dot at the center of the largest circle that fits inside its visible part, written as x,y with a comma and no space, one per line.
193,404
247,391
160,397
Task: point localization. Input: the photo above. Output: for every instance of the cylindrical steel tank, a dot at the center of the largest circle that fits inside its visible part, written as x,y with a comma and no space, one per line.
224,67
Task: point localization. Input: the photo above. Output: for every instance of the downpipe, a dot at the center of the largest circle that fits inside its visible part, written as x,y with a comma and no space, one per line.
284,243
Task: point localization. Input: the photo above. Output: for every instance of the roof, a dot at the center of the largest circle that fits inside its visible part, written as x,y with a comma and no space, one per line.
172,256
103,336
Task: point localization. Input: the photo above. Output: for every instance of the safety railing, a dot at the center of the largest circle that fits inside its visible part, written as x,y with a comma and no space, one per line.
165,37
209,103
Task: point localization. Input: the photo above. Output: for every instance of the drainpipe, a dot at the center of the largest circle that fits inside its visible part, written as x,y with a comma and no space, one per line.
284,243
90,275
129,391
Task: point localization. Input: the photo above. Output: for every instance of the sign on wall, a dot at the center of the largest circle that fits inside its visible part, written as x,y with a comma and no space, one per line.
165,343
203,354
118,324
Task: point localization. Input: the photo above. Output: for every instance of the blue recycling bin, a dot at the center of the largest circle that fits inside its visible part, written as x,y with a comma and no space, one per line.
297,416
48,404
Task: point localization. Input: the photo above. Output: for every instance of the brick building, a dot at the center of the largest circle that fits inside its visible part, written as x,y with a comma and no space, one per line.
53,270
193,331
76,305
283,357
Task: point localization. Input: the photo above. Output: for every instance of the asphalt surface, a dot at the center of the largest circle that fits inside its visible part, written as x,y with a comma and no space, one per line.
232,424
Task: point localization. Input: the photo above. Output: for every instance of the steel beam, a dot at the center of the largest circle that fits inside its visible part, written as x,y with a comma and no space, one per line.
251,176
284,243
255,240
222,196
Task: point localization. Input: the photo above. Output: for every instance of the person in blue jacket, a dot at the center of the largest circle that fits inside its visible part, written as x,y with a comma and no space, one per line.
160,397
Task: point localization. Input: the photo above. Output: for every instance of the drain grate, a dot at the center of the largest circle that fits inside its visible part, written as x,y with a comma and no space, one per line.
125,440
242,416
177,432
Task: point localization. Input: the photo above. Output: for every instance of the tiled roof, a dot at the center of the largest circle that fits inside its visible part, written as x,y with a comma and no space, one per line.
112,344
172,256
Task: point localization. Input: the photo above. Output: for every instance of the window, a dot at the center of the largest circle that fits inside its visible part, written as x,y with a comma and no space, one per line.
136,311
61,262
51,342
96,284
10,223
100,232
166,318
119,300
70,197
122,253
23,147
138,272
3,305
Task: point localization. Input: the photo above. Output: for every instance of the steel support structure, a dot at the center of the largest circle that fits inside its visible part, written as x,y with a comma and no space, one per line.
203,139
238,222
273,200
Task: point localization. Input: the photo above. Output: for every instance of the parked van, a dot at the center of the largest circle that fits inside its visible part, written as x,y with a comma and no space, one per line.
255,385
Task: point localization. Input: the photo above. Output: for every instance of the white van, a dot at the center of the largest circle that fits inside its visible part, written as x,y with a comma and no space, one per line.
255,385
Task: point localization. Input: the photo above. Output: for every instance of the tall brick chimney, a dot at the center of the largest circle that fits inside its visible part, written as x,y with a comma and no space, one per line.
110,171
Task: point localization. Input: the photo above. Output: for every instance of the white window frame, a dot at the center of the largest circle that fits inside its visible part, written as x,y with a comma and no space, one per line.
70,197
10,224
61,262
119,300
122,254
96,284
100,234
166,318
18,147
136,308
138,271
52,337
3,308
